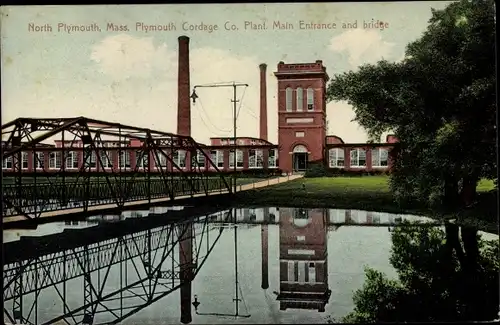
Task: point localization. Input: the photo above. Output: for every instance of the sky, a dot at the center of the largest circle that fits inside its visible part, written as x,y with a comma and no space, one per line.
130,76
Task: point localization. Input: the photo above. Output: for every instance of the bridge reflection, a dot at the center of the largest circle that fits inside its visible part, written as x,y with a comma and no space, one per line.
123,268
126,262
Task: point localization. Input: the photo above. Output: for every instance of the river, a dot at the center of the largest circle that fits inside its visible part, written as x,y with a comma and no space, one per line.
315,261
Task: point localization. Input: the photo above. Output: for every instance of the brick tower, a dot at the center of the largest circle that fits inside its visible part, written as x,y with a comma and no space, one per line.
301,114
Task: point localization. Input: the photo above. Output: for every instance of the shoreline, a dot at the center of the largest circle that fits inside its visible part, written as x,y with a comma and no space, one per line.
343,193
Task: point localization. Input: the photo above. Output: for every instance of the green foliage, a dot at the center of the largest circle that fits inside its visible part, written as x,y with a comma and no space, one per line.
440,102
433,283
316,170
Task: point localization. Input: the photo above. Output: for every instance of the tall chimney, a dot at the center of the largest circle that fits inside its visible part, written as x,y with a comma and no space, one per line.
264,240
183,89
263,102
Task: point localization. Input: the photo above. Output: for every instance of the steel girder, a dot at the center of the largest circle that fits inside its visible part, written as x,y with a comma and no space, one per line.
149,264
30,194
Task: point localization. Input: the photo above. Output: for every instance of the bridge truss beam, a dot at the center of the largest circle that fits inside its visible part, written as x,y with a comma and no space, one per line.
63,185
119,276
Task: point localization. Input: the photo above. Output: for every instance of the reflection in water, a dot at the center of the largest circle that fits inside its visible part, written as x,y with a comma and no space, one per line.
112,269
122,267
303,259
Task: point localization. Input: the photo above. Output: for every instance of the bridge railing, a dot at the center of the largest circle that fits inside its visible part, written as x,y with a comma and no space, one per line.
61,195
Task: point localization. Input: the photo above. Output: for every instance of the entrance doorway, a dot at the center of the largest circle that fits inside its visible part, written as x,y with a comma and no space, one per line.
299,161
299,158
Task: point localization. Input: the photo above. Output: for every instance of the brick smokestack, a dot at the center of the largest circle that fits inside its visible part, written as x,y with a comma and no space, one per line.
263,102
183,89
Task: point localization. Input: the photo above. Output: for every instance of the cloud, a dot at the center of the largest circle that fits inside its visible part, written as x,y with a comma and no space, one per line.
362,46
143,90
123,56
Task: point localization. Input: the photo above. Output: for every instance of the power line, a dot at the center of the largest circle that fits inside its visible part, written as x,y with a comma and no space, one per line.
209,120
241,102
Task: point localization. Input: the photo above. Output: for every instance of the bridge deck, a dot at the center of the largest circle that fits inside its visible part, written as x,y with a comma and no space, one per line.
99,208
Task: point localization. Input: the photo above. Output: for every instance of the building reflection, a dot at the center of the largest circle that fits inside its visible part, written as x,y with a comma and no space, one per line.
303,259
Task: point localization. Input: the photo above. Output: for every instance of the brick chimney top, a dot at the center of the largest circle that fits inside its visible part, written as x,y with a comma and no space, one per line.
263,66
183,38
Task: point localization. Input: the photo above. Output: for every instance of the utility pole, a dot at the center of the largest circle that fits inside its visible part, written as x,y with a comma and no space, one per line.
235,85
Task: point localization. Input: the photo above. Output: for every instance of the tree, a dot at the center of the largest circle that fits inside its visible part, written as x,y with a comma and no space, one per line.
431,284
440,103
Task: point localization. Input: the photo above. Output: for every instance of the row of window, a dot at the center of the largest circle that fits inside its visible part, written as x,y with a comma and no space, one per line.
380,157
299,105
71,160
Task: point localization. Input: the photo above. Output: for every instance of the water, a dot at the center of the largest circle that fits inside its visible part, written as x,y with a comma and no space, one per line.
315,260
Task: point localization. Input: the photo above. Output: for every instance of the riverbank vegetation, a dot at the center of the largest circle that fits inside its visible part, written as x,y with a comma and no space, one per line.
440,102
438,280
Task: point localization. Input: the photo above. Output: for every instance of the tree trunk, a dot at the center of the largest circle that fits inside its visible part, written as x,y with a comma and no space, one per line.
451,195
468,192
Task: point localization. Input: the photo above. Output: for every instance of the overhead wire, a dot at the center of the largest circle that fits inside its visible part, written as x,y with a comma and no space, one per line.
208,118
241,102
212,124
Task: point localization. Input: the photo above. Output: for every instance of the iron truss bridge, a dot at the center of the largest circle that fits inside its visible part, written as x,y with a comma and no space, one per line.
122,267
57,183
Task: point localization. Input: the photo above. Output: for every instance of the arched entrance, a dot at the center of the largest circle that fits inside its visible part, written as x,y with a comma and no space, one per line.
299,158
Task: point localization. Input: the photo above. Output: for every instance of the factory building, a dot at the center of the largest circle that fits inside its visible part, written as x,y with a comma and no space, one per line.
302,135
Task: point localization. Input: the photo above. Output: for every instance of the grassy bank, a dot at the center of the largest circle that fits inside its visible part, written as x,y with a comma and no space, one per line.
364,193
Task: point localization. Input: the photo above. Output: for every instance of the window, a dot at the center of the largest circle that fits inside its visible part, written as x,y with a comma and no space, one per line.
38,160
273,158
200,158
159,158
231,159
124,159
255,158
24,156
336,157
141,159
71,160
213,157
239,158
197,160
7,163
380,157
217,157
93,159
220,158
179,158
300,99
291,271
106,159
300,134
310,99
358,158
55,160
289,99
